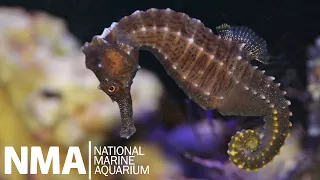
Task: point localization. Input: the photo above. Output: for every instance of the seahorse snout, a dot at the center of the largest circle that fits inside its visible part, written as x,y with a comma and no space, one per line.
126,112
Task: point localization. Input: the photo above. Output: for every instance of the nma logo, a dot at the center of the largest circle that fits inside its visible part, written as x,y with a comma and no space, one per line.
36,158
108,160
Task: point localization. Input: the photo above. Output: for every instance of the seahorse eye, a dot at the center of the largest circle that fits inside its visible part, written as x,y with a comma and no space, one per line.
112,89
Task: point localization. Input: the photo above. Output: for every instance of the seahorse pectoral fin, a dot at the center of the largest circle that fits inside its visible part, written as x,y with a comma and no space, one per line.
126,112
247,39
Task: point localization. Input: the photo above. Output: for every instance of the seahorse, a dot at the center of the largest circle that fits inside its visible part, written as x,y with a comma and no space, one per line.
213,70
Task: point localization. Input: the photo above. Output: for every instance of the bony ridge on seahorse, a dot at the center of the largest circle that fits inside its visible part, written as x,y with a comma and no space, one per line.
213,70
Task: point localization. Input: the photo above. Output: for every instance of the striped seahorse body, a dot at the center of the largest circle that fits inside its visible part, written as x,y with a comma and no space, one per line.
214,71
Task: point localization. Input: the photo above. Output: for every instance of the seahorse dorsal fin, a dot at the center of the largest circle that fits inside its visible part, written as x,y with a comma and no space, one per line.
248,39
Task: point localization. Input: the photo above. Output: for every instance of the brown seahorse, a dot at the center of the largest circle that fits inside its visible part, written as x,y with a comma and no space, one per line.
213,70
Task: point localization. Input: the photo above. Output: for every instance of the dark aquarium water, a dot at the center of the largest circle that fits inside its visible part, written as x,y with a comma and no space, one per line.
103,89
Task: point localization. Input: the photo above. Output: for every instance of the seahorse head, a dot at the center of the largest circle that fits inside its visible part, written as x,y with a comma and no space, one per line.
115,69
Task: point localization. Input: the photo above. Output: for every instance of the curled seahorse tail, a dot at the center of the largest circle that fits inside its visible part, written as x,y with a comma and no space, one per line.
241,145
249,151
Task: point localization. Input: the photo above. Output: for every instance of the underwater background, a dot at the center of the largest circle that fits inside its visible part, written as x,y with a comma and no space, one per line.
49,98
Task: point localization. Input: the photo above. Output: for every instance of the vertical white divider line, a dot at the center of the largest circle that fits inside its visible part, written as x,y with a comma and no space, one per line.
89,160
